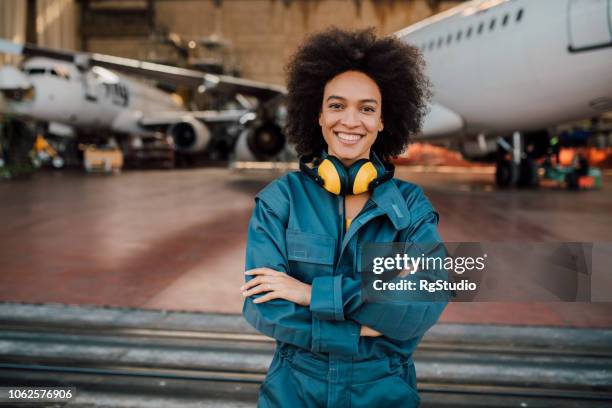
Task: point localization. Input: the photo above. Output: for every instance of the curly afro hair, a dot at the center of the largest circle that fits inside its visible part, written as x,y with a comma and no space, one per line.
397,69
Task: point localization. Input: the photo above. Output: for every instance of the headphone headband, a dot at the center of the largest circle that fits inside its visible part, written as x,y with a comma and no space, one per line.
306,169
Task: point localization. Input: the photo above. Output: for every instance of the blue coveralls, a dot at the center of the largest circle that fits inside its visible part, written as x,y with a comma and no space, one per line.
297,227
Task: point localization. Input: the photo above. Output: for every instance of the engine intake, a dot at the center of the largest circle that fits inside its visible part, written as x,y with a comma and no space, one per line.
189,135
260,143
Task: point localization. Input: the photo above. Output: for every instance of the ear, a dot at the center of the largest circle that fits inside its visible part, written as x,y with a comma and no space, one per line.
321,118
382,125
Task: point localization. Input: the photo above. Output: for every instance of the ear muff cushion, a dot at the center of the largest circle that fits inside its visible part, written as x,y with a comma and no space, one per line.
331,179
365,175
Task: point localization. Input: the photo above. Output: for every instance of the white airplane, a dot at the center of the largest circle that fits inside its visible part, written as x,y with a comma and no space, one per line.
88,92
503,71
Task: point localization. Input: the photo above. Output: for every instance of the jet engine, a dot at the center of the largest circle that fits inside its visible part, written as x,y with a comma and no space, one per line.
189,135
260,143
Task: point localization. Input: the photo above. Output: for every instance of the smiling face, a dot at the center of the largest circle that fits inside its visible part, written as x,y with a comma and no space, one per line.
351,116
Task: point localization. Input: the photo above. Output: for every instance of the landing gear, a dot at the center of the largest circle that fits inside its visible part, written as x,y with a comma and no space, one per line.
515,165
572,181
506,173
528,173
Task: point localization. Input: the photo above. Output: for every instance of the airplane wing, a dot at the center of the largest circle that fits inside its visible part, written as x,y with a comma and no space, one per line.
179,76
209,116
191,131
440,122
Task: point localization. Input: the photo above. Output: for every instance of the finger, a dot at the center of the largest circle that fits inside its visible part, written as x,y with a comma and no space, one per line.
251,283
262,271
267,297
259,271
264,287
257,281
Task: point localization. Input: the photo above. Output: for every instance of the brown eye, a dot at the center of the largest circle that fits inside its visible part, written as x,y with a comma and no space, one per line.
335,106
369,109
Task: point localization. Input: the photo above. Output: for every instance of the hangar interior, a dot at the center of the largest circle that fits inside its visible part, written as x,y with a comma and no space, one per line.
124,235
250,39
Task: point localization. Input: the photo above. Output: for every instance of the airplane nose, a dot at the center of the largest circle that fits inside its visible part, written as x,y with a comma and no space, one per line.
14,84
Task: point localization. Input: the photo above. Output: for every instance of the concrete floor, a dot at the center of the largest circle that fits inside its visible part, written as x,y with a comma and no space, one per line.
175,239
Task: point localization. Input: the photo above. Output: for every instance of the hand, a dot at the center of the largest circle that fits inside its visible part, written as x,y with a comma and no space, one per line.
279,285
369,332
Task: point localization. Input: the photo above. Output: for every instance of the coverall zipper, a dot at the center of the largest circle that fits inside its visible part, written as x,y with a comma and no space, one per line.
343,230
341,214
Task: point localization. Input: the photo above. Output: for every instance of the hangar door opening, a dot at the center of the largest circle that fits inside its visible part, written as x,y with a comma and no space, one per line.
590,24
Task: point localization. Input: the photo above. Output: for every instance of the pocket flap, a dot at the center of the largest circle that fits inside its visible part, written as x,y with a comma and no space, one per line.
308,247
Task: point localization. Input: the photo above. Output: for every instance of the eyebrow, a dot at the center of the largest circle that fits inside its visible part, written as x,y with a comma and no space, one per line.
362,100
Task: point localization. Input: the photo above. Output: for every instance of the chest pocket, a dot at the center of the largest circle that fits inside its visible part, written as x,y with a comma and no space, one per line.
310,255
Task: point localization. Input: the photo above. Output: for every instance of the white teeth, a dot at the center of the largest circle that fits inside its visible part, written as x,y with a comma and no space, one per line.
348,136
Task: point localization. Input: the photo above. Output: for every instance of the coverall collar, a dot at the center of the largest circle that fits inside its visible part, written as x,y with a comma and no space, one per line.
390,200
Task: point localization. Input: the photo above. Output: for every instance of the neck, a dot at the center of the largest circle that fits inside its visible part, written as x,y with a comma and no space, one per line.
349,162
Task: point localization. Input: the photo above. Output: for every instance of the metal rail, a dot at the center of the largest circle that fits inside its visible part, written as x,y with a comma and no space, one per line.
108,378
106,332
481,371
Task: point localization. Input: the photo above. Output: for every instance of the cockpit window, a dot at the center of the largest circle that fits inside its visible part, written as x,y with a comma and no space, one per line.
56,72
35,71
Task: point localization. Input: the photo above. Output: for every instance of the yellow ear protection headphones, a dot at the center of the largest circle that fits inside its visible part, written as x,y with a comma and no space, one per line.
363,175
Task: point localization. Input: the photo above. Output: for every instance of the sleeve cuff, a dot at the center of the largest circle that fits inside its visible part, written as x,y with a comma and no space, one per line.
335,337
326,298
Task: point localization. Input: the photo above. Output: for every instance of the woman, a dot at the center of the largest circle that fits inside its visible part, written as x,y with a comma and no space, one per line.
353,101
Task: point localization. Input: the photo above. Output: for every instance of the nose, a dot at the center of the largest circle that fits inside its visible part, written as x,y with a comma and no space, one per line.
14,84
350,118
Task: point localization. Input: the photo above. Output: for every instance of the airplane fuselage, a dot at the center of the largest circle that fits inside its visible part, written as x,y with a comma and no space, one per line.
518,65
91,99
